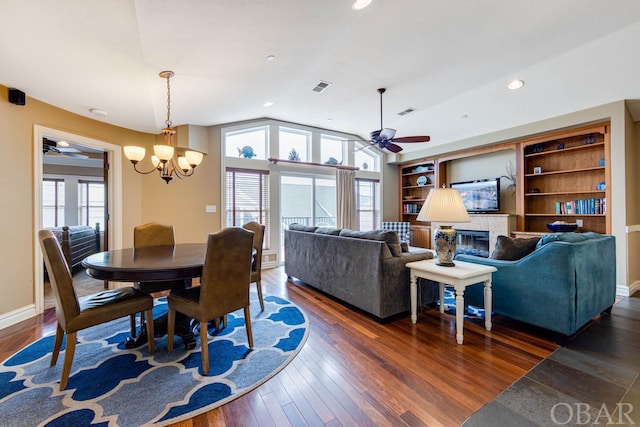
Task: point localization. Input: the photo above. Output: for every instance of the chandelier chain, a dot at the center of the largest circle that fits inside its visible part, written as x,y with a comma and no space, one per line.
168,122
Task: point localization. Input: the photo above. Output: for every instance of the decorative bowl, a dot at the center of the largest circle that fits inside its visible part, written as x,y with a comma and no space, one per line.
562,228
409,197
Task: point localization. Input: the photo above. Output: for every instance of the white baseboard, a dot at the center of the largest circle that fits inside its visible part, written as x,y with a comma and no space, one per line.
17,316
626,291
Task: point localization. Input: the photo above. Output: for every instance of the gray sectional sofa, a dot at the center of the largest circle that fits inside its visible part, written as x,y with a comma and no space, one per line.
364,269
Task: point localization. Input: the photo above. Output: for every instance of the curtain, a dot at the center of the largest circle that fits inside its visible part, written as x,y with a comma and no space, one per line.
346,194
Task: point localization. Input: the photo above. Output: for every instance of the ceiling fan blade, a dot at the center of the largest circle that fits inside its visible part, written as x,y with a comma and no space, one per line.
387,133
393,147
403,139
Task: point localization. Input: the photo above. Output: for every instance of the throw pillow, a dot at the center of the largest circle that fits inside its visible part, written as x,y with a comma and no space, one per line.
300,227
328,230
511,249
389,237
404,246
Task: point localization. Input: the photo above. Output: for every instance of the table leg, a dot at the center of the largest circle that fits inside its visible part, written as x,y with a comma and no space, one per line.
487,304
414,298
459,314
441,290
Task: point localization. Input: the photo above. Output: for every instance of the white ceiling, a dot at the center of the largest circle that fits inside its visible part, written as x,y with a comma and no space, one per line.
447,59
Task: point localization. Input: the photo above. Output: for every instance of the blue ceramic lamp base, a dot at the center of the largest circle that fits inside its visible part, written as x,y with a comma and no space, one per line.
444,242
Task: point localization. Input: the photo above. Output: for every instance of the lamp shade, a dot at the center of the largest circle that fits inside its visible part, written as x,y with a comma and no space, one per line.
135,154
163,152
444,205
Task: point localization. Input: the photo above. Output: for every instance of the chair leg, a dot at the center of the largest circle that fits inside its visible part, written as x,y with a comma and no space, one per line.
204,347
150,333
247,324
132,325
68,359
56,345
224,321
171,326
259,287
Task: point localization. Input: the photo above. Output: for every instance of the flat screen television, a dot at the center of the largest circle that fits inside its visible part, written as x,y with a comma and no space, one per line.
480,196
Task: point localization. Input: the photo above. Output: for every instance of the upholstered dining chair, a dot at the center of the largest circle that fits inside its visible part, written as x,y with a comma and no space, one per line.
75,314
154,234
256,265
224,286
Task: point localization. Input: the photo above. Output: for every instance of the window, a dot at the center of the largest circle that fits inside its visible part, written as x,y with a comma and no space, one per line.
91,203
365,159
293,142
368,200
247,143
247,199
331,150
52,202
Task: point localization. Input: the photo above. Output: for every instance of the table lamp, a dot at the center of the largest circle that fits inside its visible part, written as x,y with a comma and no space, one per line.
444,205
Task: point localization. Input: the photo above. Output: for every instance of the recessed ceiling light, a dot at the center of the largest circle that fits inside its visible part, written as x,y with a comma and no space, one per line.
329,119
515,84
267,104
63,143
98,112
360,4
465,116
270,58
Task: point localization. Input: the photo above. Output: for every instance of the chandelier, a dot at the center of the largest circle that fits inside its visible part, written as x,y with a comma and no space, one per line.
163,159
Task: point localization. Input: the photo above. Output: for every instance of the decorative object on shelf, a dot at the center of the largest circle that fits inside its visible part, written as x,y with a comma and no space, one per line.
409,197
537,148
602,162
444,205
560,146
601,186
422,180
534,190
590,139
562,227
247,152
293,155
422,168
163,159
537,170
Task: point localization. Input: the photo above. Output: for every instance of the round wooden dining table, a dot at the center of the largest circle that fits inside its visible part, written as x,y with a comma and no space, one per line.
183,261
148,264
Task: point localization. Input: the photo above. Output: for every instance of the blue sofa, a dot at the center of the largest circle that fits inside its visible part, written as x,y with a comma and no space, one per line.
564,283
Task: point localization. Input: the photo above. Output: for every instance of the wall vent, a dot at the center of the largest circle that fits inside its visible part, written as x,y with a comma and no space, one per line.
407,111
322,85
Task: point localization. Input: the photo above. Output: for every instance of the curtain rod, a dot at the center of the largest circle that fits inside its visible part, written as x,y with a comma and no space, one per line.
275,161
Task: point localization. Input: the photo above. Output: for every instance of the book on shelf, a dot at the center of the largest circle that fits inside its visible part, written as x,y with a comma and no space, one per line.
592,206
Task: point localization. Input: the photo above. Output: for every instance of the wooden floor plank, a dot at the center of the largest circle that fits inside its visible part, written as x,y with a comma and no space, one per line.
355,371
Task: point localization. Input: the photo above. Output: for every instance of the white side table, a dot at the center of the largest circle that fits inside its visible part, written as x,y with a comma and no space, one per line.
460,276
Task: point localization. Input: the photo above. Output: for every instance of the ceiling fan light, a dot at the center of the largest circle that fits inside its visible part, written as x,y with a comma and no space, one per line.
164,152
194,158
360,4
133,153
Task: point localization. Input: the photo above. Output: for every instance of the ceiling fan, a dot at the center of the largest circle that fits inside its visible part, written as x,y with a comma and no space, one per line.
54,148
385,138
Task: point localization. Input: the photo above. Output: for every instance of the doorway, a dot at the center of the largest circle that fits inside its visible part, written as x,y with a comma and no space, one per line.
113,181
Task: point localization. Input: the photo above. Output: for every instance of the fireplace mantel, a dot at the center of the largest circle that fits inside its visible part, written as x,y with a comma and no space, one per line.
495,224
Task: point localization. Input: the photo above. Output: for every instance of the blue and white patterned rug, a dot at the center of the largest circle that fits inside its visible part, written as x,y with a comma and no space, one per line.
114,386
472,312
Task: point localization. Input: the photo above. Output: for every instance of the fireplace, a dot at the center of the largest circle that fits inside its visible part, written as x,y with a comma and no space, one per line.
472,242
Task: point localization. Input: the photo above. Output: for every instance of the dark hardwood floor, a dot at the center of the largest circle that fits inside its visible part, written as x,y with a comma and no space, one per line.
354,371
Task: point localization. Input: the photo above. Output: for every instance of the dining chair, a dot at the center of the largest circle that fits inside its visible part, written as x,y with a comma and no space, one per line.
256,265
154,234
224,286
75,314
